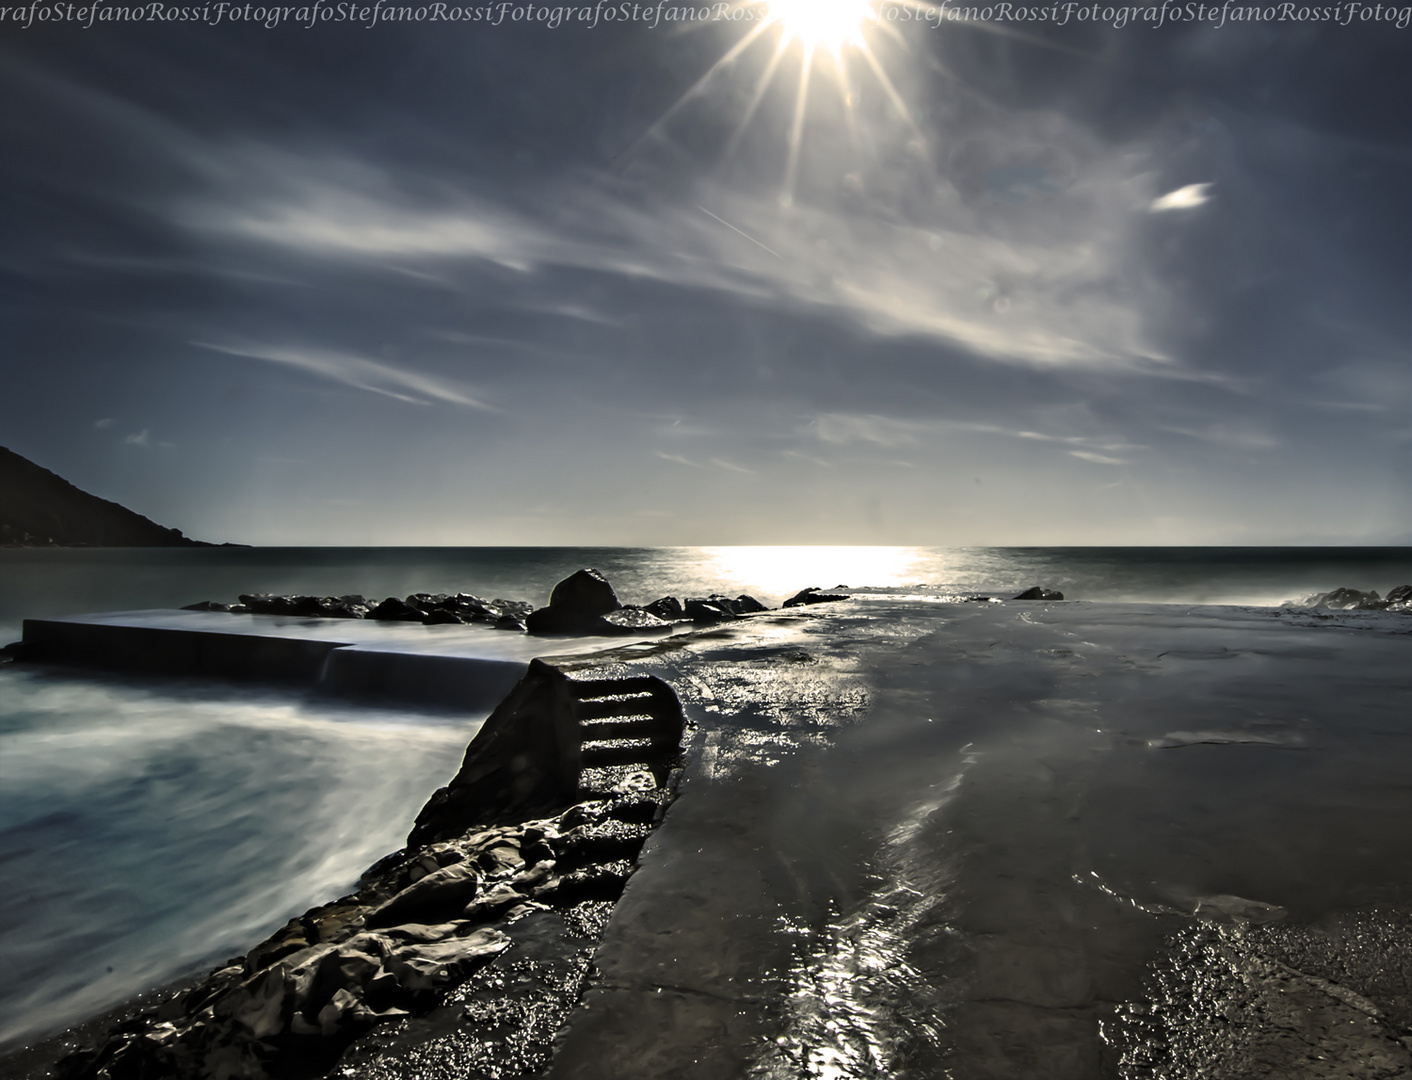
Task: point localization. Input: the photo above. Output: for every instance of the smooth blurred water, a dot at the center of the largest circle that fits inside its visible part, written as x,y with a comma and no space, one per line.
146,828
150,826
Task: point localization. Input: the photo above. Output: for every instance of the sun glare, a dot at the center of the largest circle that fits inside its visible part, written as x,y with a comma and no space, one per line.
827,24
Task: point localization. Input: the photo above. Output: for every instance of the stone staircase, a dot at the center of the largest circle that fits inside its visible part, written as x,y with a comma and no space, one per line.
630,732
626,725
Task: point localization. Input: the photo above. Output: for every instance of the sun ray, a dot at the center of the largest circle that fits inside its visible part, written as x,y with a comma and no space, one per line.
850,102
796,130
756,97
695,88
891,91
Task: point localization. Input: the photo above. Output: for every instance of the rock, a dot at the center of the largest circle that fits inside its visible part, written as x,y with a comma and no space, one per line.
699,610
1400,598
1035,592
1344,599
443,893
631,621
395,610
813,596
668,607
206,605
510,622
437,964
439,616
575,606
745,604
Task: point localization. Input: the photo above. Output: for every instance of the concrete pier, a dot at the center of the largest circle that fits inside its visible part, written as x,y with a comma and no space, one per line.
459,666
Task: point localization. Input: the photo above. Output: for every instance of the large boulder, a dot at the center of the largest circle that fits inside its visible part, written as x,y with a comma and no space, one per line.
576,606
668,607
1035,592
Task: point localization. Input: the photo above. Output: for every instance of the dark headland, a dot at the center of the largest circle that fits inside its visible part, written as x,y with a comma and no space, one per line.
41,509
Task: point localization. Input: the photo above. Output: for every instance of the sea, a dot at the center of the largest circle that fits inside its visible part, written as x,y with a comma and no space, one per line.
151,828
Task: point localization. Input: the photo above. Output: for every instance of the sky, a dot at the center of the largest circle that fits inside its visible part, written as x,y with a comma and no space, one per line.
753,278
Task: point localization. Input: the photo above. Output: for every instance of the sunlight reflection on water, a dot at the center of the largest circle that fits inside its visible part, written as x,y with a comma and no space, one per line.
780,570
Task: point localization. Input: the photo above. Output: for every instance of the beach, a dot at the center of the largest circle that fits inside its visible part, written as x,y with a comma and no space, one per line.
918,834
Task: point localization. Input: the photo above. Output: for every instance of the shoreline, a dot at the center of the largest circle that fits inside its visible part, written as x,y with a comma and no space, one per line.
862,635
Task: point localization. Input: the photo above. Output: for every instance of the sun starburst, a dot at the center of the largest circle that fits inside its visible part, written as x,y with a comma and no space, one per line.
822,24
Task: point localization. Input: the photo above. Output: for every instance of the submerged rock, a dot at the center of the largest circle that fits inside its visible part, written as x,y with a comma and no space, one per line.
1036,592
813,595
631,621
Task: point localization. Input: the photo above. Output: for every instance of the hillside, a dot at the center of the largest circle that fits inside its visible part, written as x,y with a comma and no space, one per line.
39,509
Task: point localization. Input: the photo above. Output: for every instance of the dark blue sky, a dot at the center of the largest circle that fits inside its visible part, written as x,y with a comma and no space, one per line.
455,283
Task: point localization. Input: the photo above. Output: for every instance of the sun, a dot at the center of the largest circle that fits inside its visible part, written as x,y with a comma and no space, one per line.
826,24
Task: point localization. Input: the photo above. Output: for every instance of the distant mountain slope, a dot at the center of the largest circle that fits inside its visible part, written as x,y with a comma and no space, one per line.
39,509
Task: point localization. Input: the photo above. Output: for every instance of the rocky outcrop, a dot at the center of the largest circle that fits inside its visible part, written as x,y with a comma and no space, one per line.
583,603
40,509
530,755
595,758
813,596
1035,592
429,608
1344,599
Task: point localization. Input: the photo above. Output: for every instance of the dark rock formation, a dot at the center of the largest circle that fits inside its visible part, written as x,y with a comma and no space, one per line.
1343,599
813,596
1035,592
395,610
700,610
40,509
430,918
668,608
576,605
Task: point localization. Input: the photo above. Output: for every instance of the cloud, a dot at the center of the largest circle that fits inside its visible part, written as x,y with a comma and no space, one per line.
720,464
1046,283
1184,198
105,422
677,459
358,372
843,429
1098,459
142,438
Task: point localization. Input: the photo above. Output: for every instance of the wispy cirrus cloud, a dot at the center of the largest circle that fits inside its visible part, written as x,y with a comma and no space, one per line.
347,369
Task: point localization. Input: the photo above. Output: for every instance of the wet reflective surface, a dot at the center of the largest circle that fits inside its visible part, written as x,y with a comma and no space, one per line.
919,839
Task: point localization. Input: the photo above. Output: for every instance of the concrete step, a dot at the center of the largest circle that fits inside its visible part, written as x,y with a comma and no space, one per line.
621,752
586,689
618,705
628,727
